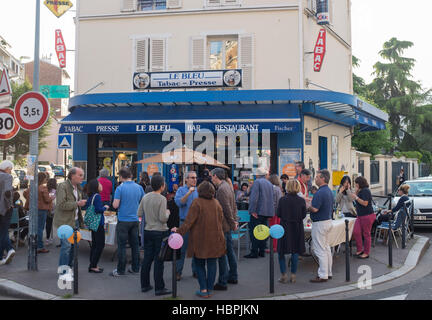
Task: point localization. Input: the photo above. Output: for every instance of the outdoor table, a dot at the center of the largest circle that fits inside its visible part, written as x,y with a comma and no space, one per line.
110,231
337,233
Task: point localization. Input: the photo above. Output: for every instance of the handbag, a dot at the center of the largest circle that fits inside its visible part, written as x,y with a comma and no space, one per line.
166,252
92,219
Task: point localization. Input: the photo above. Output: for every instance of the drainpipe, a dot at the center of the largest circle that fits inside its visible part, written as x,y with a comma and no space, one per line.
301,49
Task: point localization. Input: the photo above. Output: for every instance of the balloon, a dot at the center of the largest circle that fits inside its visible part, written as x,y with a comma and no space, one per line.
71,238
261,232
175,241
277,231
64,231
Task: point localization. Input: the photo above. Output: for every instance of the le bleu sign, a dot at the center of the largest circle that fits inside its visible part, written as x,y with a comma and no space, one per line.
188,79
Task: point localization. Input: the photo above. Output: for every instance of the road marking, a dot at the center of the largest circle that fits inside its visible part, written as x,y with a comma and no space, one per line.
399,297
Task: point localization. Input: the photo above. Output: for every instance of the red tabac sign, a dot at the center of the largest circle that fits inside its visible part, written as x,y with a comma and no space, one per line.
320,49
60,48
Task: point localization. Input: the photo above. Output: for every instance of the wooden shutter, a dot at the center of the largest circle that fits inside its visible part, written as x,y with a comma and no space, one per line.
214,3
172,4
129,5
198,53
157,54
246,59
141,55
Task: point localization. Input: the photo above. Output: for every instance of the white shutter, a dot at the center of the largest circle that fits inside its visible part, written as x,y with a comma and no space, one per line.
230,2
129,5
312,5
172,4
246,59
141,55
157,54
214,3
198,53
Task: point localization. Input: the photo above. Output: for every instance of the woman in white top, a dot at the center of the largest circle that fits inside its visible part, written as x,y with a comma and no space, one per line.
344,199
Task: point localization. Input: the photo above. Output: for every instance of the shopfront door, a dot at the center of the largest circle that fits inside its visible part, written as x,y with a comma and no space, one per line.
323,153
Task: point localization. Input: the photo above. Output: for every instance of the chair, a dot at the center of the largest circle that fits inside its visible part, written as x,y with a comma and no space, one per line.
396,227
15,219
242,230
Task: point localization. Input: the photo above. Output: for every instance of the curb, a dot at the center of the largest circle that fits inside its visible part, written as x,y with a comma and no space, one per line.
16,290
414,255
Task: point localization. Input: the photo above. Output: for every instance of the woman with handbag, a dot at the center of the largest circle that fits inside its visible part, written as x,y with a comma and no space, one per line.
94,220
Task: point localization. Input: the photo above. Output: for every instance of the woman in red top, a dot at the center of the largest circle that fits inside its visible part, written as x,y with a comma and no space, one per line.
106,187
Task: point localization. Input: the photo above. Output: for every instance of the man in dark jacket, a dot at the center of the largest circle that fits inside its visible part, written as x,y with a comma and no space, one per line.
225,196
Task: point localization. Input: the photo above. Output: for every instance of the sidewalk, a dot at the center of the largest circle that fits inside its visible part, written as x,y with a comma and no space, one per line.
253,276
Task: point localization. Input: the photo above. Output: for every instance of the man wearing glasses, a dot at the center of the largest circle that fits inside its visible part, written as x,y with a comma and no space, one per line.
183,199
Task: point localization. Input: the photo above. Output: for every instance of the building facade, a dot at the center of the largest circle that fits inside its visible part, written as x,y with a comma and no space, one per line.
12,64
310,114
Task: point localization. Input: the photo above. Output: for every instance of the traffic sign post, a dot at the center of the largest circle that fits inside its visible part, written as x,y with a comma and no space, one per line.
8,126
65,142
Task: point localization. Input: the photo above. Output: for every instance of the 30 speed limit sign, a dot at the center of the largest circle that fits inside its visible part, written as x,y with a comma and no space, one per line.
8,126
32,110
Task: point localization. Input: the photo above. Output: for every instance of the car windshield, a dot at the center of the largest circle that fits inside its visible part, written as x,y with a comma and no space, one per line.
42,169
420,188
58,168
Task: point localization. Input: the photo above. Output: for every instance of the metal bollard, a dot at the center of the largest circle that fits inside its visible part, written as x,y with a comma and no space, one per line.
412,219
174,274
75,266
347,251
271,266
390,244
405,212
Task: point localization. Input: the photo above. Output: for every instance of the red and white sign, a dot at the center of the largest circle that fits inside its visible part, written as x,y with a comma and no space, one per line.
8,126
32,110
60,48
5,88
320,49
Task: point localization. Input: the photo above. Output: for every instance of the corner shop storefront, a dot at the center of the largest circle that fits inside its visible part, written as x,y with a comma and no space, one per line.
116,129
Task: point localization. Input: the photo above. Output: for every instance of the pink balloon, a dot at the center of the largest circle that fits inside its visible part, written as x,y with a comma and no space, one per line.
175,241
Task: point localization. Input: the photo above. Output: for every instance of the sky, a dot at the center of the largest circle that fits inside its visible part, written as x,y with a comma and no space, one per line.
373,23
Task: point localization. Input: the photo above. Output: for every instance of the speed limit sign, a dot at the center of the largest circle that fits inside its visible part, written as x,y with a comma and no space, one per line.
8,126
32,110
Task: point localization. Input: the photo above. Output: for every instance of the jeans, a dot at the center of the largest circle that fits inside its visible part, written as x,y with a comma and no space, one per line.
127,232
226,262
294,263
152,246
207,279
48,226
257,244
67,251
5,244
180,262
97,246
42,215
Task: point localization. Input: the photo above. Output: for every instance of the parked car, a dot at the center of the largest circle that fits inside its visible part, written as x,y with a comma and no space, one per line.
15,181
43,168
22,175
421,193
58,171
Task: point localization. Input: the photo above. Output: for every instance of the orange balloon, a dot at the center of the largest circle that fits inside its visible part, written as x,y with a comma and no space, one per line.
71,238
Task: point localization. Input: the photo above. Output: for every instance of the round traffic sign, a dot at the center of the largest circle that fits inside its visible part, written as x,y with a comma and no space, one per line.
32,110
8,126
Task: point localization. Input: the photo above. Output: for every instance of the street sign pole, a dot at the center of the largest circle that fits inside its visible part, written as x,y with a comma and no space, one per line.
34,151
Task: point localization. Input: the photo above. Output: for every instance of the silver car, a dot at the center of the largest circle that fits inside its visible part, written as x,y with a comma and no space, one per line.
421,193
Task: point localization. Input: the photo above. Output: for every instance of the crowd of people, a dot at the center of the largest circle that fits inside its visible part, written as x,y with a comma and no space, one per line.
202,210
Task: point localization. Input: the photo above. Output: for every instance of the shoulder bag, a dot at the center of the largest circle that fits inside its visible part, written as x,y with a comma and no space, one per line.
166,252
91,218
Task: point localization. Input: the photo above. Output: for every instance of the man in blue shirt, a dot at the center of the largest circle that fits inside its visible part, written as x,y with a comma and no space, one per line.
321,215
183,199
261,208
127,198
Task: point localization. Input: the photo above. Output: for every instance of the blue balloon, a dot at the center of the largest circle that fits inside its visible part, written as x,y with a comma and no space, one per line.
277,231
64,231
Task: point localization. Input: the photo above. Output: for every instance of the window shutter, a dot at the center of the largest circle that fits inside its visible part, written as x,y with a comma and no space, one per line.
129,5
214,3
157,54
172,4
198,53
246,44
141,55
230,2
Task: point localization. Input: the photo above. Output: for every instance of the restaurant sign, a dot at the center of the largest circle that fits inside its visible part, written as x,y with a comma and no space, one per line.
188,79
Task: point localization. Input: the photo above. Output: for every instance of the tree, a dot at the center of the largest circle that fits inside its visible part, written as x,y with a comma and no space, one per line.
19,145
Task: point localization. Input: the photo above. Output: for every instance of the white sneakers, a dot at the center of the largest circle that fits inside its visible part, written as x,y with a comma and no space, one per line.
2,262
9,256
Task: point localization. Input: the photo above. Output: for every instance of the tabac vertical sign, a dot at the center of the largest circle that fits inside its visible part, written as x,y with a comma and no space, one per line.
60,48
320,49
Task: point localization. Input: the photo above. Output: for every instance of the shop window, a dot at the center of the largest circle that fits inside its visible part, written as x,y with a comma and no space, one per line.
117,141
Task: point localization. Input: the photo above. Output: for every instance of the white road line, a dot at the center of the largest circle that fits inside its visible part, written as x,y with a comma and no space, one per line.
399,297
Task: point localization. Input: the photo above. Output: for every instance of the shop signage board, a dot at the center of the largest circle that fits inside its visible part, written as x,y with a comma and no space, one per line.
55,92
5,90
188,79
32,111
319,51
60,48
322,12
58,7
8,126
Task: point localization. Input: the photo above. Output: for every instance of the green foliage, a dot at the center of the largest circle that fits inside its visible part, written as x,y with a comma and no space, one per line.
374,142
409,154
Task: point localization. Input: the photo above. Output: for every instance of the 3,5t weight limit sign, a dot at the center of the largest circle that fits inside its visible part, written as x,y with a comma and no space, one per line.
32,111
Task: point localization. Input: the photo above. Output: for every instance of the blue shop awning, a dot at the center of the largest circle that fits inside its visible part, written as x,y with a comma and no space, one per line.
276,110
